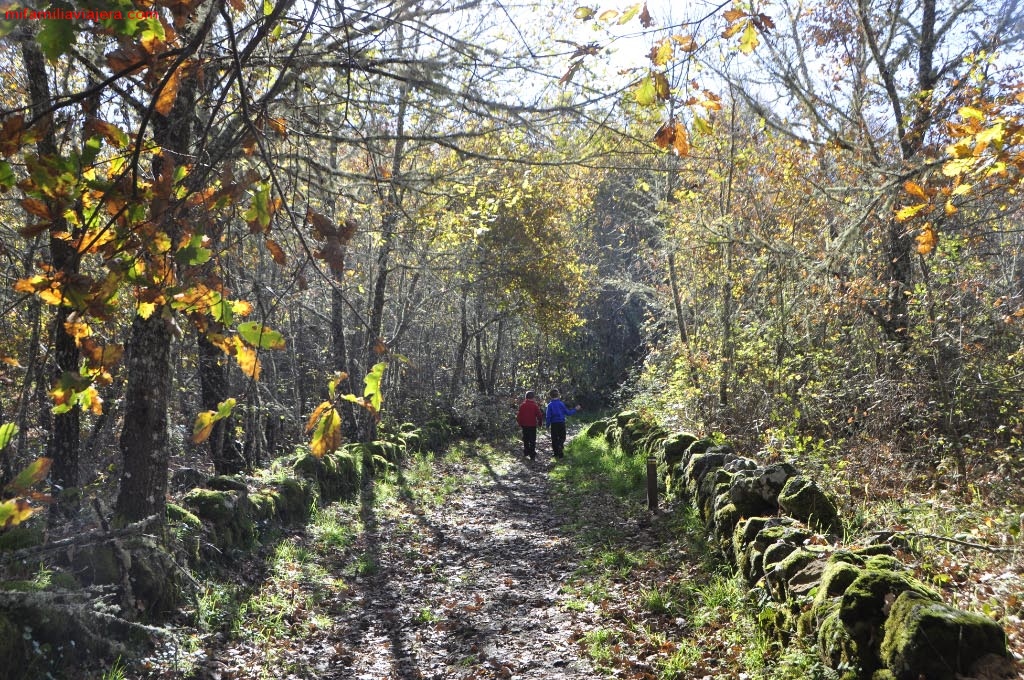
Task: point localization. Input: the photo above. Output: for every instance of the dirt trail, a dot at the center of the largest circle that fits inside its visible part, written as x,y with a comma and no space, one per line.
468,589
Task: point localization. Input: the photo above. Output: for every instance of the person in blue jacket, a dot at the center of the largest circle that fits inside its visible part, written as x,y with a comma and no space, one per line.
555,416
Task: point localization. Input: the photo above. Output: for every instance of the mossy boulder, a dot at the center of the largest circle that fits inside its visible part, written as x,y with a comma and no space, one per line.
188,529
746,493
865,602
767,539
931,639
227,513
596,429
675,447
228,483
802,498
337,474
779,574
697,467
622,418
836,646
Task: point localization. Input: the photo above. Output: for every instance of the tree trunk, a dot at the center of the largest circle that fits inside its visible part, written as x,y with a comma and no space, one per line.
214,387
459,369
677,302
63,445
145,444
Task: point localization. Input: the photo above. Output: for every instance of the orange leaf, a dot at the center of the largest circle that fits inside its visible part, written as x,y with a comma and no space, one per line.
167,95
915,189
203,426
36,207
686,42
926,240
314,417
276,252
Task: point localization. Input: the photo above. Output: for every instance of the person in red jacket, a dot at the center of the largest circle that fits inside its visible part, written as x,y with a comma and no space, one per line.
530,417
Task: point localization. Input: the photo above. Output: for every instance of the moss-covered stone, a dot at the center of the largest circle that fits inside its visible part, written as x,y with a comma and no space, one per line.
596,429
227,483
744,534
775,532
864,604
228,514
697,467
931,639
781,572
187,529
675,446
802,498
295,499
836,646
623,417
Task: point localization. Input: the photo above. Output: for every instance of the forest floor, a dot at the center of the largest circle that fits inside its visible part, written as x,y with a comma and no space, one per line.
481,564
459,567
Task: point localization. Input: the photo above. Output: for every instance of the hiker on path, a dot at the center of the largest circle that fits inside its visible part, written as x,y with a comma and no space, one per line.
555,416
530,417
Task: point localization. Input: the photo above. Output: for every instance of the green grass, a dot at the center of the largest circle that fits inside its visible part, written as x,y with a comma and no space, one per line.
647,594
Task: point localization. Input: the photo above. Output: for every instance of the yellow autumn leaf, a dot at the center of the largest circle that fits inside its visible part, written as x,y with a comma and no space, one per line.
968,112
904,214
686,42
991,134
958,166
77,329
749,40
169,92
203,426
661,53
247,358
949,208
962,189
608,15
146,309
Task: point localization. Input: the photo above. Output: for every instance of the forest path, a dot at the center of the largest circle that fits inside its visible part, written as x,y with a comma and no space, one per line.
469,588
450,568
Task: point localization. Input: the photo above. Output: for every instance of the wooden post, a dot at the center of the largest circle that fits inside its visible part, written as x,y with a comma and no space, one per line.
652,484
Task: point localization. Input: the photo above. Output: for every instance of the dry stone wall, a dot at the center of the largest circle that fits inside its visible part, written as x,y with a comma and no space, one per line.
859,606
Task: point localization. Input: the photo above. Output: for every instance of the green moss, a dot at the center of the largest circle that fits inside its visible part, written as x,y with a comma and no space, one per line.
836,578
864,604
179,515
623,417
802,498
931,639
264,505
675,446
296,499
725,520
24,535
211,505
596,429
836,647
